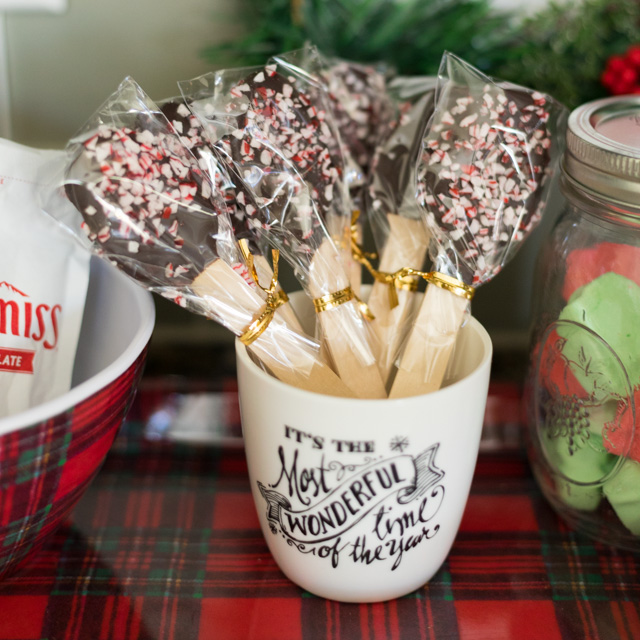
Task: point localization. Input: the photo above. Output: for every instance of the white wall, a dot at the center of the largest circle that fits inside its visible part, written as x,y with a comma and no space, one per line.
62,66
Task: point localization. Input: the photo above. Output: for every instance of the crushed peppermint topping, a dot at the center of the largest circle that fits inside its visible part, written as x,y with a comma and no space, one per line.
286,154
362,107
481,176
144,202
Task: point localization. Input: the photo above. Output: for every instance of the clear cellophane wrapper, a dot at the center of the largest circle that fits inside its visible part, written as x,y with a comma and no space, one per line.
363,112
394,215
311,72
488,158
234,194
150,207
278,139
390,188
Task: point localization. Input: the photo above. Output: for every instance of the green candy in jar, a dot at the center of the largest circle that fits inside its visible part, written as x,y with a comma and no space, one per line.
609,306
584,377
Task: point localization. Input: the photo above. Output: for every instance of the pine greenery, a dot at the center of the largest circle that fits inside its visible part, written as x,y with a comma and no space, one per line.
562,49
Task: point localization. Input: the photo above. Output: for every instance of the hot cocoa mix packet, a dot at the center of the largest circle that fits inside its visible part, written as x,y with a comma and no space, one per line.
43,283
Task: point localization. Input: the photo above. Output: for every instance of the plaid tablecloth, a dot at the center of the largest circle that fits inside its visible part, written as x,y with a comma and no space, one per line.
166,545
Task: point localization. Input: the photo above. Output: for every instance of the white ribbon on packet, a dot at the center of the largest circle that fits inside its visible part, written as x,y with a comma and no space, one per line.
44,274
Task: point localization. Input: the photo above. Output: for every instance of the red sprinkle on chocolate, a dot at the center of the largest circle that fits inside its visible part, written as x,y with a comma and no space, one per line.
145,202
480,178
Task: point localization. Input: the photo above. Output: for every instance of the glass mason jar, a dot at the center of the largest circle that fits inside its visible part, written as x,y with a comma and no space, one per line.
583,383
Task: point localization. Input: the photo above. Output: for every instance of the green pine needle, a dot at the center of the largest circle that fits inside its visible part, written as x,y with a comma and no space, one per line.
561,50
564,49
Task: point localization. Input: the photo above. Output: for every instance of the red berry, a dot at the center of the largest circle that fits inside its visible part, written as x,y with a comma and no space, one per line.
617,64
628,76
633,55
608,78
620,88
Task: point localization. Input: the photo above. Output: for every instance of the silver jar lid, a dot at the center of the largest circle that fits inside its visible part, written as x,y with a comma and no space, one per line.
603,148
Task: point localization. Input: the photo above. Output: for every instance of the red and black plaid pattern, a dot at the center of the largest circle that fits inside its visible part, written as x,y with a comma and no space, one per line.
165,544
45,468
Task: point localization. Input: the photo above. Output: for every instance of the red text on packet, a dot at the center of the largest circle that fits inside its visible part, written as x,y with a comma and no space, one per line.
20,317
16,360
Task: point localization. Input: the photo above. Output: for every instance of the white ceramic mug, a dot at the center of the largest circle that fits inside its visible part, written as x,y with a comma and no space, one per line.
361,500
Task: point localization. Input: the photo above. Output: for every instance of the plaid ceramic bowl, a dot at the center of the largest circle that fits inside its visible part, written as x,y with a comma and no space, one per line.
50,453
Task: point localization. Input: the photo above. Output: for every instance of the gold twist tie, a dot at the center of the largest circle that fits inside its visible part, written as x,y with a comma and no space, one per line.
248,258
450,283
359,254
275,297
405,278
455,286
332,300
347,294
405,281
364,308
